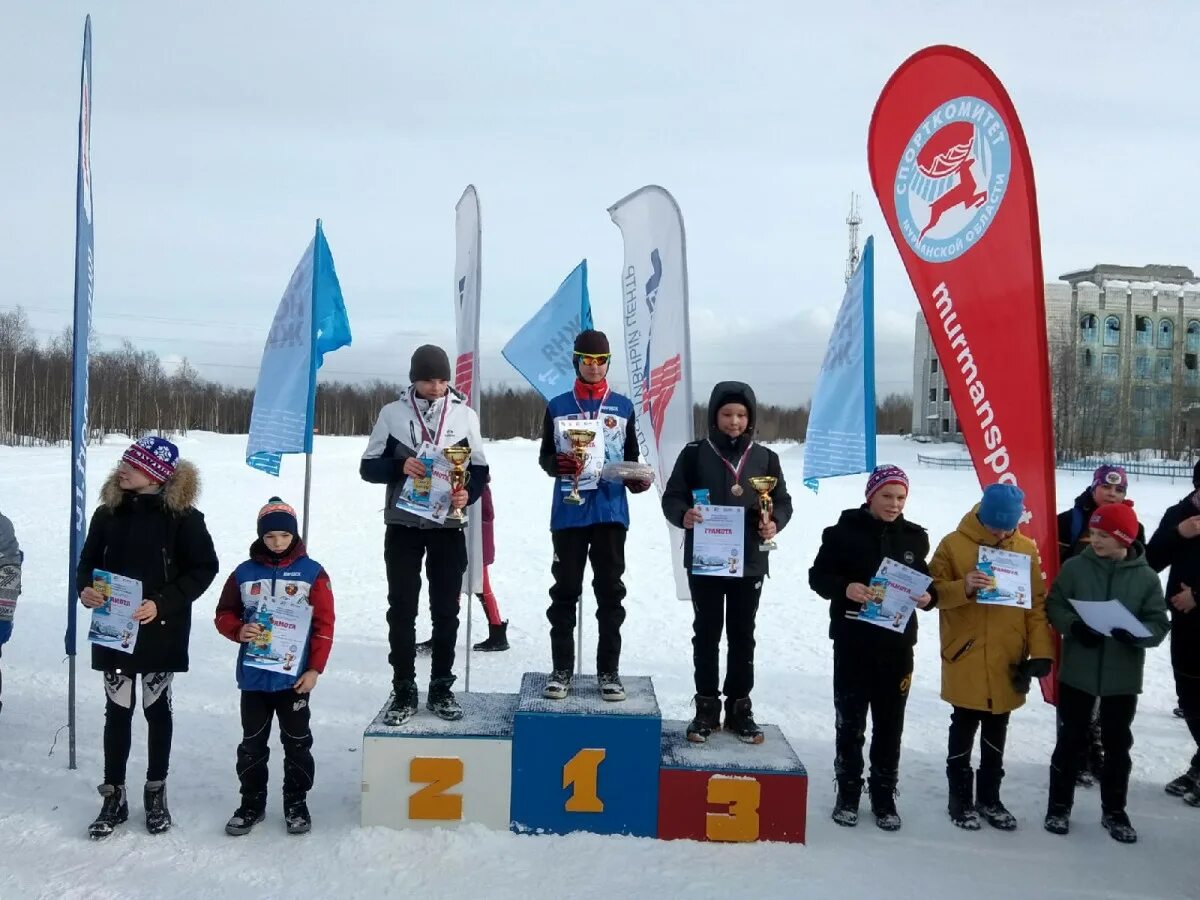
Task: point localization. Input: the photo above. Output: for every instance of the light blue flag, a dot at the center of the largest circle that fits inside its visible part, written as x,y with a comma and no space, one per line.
541,350
310,322
841,423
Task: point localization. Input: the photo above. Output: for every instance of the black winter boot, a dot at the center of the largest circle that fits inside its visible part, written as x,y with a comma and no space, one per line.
739,719
296,815
497,639
113,811
845,807
404,703
961,806
441,701
246,816
883,804
987,800
1188,781
1119,827
1058,818
154,799
708,719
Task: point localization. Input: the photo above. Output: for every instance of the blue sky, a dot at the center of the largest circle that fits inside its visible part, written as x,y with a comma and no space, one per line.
222,130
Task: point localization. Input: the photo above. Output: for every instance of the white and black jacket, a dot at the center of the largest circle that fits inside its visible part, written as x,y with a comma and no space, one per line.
398,434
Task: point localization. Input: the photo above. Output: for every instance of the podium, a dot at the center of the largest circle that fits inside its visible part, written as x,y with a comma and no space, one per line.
523,763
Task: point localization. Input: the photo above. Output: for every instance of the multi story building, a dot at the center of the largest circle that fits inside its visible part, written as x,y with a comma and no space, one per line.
1124,344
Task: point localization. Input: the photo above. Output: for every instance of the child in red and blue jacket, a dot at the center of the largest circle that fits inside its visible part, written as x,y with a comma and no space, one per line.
278,569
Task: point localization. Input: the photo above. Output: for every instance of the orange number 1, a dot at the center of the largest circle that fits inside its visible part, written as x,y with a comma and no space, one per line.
580,775
432,801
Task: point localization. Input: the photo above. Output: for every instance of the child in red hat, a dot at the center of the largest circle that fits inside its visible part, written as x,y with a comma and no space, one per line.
1098,665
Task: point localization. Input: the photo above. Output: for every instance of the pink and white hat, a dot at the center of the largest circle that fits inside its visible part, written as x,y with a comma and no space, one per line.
155,456
885,475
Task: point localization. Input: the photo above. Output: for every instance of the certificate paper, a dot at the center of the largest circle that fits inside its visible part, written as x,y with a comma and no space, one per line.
280,645
1010,578
718,542
429,495
112,623
896,588
1105,615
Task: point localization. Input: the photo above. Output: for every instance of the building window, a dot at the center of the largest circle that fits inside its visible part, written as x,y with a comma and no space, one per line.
1162,399
933,395
1112,331
933,366
957,427
1108,396
1141,367
946,394
1193,337
1087,329
1141,400
1166,334
945,426
1191,372
1143,331
1109,364
1087,360
1144,426
1164,368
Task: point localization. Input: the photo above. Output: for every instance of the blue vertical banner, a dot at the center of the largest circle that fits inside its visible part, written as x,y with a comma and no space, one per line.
310,321
541,350
841,421
82,329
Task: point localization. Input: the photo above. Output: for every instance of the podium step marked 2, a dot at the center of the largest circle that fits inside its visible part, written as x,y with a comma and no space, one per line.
542,766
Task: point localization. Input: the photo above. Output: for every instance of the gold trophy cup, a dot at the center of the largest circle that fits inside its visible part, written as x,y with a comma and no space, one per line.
581,439
459,476
764,484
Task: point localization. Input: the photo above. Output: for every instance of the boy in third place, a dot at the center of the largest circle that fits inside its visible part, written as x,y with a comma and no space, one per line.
723,465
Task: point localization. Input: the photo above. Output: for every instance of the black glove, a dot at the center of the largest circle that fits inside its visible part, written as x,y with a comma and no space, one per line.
1120,634
1085,634
1039,667
1021,680
568,463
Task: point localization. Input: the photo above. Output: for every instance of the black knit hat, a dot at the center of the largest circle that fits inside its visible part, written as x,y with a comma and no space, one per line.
277,516
429,363
592,343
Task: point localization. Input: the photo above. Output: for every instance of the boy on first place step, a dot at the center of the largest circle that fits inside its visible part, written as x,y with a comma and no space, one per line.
278,573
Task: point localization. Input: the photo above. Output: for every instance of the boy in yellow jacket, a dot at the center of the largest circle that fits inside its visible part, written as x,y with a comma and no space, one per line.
990,651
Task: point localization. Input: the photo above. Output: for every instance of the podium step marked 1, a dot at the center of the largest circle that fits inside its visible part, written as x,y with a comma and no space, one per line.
542,766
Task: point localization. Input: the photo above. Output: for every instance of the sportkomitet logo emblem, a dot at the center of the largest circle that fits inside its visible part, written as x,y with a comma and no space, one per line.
952,178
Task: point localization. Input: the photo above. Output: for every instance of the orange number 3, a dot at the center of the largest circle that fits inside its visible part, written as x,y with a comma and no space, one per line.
741,796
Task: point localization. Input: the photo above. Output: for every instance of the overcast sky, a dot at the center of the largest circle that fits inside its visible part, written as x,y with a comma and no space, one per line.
221,130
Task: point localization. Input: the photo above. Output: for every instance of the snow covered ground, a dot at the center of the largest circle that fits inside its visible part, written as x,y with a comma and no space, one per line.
44,808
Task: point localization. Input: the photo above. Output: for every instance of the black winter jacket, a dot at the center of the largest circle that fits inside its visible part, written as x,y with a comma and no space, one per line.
161,540
852,551
1168,548
699,465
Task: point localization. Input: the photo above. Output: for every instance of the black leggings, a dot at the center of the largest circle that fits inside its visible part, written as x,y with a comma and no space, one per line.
120,696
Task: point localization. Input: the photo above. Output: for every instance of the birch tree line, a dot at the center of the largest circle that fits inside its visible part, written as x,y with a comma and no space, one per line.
132,393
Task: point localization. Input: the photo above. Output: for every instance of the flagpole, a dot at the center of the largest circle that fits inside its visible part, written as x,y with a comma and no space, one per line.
470,575
307,495
579,640
312,383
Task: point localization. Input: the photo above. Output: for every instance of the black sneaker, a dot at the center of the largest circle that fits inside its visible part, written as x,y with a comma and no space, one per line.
883,807
1188,781
739,719
611,688
404,704
246,816
845,806
154,798
424,647
1058,820
296,816
558,685
441,701
708,719
113,811
997,816
1117,824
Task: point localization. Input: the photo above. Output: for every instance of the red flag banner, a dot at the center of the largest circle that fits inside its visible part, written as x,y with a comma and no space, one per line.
952,172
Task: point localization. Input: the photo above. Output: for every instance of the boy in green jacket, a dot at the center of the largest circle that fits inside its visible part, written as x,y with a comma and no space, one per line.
1106,666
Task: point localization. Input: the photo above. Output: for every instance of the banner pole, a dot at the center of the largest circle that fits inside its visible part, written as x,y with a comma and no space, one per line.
579,640
70,712
307,495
